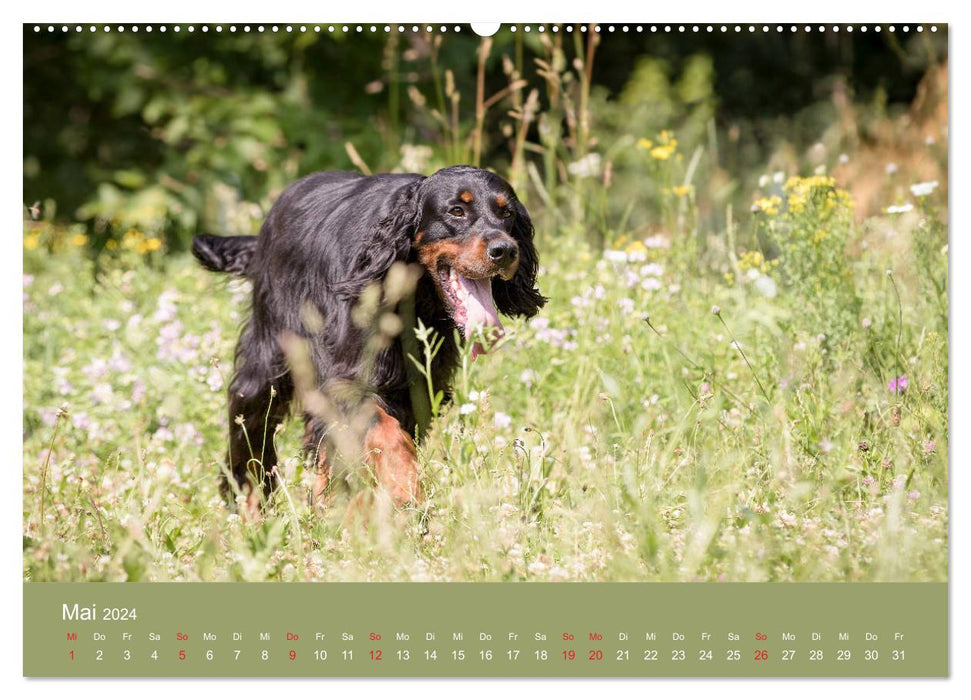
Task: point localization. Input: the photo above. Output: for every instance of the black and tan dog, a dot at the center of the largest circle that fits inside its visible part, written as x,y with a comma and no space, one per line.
328,238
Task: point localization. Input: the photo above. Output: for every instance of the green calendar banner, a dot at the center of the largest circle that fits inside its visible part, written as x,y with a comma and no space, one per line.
485,629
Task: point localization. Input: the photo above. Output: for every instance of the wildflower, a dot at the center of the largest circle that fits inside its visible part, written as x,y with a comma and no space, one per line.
866,323
922,189
662,152
214,380
588,166
636,252
899,208
898,385
767,205
657,241
528,377
467,408
716,310
752,260
891,168
79,239
930,447
766,286
502,420
615,256
646,144
844,158
682,190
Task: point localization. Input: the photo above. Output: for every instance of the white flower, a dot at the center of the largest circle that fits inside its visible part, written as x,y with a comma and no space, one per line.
467,408
588,166
528,376
844,158
657,241
766,286
900,208
615,256
922,189
891,168
778,177
502,420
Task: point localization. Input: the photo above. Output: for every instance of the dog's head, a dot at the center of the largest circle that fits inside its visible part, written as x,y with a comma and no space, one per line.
474,238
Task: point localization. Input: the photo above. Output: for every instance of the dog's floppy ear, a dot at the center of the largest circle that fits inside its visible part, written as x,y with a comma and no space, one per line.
389,241
519,296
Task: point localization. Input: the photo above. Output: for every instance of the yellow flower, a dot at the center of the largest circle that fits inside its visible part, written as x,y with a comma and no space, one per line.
79,239
683,190
153,244
662,152
820,236
635,247
112,244
767,205
646,144
751,260
31,241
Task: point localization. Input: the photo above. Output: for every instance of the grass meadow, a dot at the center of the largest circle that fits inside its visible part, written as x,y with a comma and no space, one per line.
714,392
783,421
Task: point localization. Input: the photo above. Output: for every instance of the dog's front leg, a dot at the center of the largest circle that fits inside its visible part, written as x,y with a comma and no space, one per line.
390,451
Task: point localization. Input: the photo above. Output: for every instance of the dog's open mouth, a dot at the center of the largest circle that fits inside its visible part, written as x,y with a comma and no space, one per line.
473,308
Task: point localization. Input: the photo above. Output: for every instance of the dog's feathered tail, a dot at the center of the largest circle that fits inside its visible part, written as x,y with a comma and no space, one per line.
224,253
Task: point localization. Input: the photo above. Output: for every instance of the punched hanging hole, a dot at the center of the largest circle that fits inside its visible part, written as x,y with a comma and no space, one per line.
485,28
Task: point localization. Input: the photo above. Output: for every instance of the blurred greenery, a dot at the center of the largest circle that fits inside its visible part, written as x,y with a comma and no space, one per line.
173,133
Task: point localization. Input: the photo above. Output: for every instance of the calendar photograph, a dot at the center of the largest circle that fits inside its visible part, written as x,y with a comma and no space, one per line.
564,303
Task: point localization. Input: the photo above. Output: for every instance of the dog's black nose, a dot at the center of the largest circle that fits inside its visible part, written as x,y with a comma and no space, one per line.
503,252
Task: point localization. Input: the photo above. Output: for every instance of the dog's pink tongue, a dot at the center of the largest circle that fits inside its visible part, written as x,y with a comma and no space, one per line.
480,311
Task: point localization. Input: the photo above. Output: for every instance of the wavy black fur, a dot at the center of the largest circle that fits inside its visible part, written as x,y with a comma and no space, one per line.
323,242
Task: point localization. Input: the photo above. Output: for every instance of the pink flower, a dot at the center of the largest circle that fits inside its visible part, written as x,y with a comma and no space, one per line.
898,385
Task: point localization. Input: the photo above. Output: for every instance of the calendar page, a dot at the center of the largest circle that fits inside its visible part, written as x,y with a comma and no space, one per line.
512,350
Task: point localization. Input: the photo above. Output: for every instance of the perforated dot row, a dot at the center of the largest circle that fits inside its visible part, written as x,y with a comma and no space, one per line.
443,29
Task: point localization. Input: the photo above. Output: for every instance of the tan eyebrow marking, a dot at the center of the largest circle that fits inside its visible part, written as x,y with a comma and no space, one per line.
501,200
466,196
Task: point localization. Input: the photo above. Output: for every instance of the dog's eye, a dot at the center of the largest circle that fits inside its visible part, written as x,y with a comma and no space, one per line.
505,213
457,211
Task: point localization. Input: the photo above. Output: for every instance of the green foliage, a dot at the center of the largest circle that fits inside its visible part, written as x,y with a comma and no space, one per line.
626,433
